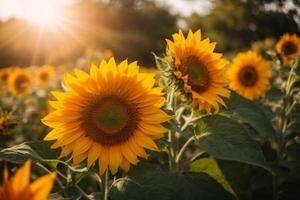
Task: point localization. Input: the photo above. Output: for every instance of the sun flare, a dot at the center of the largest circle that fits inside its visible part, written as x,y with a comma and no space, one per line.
45,14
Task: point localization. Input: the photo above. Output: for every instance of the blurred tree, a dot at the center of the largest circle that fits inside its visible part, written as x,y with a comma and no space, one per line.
235,24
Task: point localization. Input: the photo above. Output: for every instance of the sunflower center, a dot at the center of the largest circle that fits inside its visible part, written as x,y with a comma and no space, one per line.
21,83
289,48
110,119
4,77
44,76
248,76
198,75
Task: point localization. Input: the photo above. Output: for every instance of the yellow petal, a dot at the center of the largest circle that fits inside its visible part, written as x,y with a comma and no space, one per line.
93,154
115,158
145,141
42,187
103,160
125,165
82,145
22,177
128,154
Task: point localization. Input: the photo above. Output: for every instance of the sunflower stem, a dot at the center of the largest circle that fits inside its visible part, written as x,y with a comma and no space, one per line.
183,148
104,182
172,153
287,106
61,185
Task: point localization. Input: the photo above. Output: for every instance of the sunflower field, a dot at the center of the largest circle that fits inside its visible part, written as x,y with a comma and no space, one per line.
186,111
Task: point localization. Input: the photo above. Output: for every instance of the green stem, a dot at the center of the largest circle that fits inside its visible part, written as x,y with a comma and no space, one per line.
283,126
183,148
82,192
104,182
61,185
172,151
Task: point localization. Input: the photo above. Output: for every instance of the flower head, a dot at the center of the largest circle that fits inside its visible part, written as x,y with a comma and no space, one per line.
7,121
249,74
4,75
288,47
200,67
109,115
108,53
44,75
19,187
19,81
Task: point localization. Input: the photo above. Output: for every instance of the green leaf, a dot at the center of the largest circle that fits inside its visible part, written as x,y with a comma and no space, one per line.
274,94
248,112
43,148
224,138
35,151
168,186
227,173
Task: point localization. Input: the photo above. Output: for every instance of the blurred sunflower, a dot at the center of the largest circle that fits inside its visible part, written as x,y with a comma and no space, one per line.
18,187
108,53
89,52
44,75
7,121
4,75
288,47
201,69
19,81
249,74
109,115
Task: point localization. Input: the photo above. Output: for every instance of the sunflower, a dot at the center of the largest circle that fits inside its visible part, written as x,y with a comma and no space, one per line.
18,187
20,81
249,74
4,75
44,75
7,121
201,68
288,47
108,53
109,115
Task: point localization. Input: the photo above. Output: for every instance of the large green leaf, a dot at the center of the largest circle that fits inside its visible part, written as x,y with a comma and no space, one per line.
248,112
168,186
35,151
227,173
225,138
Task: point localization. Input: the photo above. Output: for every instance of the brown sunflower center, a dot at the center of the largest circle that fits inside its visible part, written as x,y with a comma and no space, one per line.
21,83
289,48
4,77
248,76
110,119
198,75
44,76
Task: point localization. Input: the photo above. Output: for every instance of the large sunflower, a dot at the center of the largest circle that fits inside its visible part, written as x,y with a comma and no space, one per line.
18,187
109,115
200,67
249,74
288,47
20,81
44,75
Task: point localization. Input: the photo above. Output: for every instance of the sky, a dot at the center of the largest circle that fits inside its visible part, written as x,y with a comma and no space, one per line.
24,8
186,7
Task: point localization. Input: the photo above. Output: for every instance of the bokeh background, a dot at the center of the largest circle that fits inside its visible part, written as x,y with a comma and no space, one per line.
35,32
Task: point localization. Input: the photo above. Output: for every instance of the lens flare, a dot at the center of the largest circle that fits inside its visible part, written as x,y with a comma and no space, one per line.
45,14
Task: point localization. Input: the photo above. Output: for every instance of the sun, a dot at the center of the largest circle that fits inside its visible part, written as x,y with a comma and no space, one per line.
44,13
